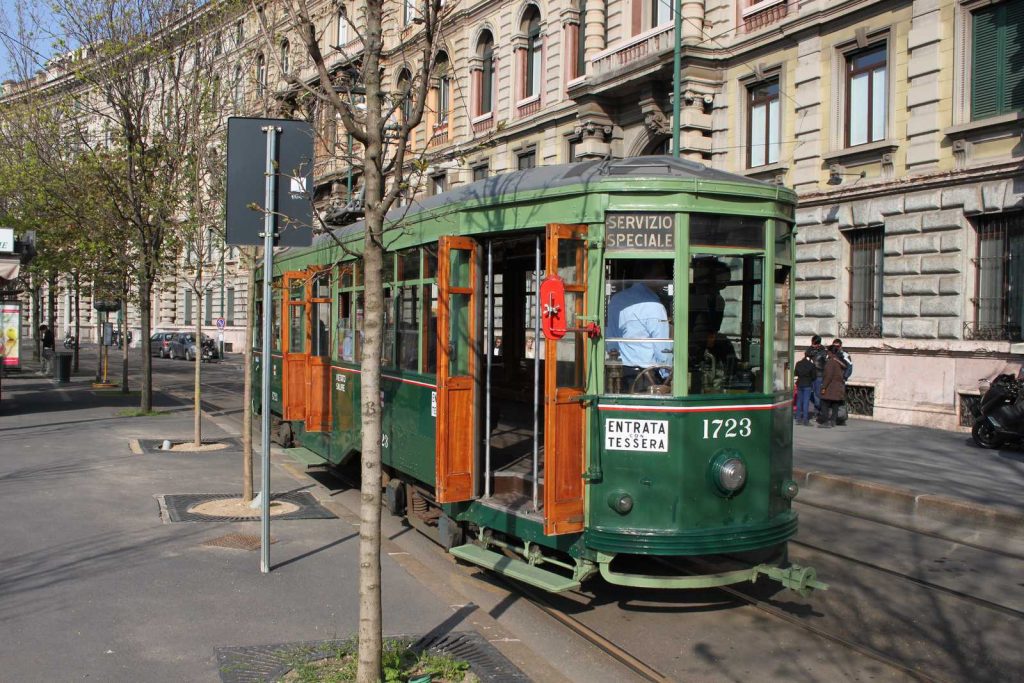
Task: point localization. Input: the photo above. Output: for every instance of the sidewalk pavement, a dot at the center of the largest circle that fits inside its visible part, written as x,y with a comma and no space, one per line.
95,583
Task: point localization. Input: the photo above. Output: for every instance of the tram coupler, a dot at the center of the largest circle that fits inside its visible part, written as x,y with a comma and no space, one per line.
803,580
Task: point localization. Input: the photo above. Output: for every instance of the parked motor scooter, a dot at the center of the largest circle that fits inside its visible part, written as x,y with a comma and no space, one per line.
70,342
999,415
209,350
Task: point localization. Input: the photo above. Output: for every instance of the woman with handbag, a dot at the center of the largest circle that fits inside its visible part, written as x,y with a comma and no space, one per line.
833,388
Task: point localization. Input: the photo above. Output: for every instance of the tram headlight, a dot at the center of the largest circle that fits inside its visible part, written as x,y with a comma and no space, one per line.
728,472
620,501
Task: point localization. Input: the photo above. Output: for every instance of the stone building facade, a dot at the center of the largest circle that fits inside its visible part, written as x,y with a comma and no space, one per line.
897,122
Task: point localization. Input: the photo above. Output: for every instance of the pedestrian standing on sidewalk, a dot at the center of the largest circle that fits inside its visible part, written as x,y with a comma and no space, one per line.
819,355
833,389
48,348
805,373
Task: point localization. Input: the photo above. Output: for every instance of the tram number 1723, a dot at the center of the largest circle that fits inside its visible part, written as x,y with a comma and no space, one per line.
713,429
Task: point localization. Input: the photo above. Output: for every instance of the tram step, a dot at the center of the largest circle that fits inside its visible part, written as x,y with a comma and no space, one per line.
515,569
306,456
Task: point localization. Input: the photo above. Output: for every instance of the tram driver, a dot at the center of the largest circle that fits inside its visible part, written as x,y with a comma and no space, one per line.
639,331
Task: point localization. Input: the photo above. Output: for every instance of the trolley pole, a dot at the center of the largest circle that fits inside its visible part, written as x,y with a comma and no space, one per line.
677,65
269,233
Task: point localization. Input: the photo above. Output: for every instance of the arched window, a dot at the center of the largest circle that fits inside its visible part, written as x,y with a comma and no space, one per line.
485,92
342,27
261,75
403,85
285,65
443,88
534,52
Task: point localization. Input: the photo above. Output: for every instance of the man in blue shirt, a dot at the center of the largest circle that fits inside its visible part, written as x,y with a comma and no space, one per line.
637,313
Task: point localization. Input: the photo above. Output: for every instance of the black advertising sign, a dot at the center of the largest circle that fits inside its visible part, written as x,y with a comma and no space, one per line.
646,231
292,183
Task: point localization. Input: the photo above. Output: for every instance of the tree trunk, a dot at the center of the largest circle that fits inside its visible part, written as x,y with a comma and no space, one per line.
123,331
370,636
78,327
251,317
197,418
145,304
36,321
51,304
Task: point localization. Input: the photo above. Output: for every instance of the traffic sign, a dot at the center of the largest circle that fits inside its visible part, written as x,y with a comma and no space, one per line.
220,323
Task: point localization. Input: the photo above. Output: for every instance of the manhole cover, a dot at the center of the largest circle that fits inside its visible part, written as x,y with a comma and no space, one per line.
271,662
182,507
237,541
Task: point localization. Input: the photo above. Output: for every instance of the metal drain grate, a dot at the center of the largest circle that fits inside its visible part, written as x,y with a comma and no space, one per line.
269,663
237,541
177,507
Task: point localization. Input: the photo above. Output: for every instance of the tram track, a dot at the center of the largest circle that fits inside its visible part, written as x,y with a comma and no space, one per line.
974,600
616,652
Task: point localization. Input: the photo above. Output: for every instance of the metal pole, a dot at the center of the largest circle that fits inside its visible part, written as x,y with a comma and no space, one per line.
536,370
490,360
677,65
268,274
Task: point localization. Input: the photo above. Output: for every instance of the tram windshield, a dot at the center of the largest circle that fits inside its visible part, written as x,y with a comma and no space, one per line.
723,335
726,328
638,336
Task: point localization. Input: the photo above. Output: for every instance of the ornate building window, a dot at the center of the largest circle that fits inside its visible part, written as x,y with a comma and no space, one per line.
999,305
763,124
342,28
533,68
865,301
261,75
485,88
997,60
866,95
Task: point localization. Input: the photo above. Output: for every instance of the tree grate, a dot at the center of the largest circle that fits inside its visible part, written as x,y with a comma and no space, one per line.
154,446
176,507
269,663
237,541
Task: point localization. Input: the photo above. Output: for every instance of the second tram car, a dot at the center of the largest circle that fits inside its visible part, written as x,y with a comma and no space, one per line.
587,371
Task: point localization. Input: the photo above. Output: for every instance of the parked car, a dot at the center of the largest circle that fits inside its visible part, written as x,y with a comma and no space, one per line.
160,344
183,345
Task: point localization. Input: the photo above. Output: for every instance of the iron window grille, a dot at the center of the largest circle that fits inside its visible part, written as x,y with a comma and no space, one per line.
999,304
865,302
860,399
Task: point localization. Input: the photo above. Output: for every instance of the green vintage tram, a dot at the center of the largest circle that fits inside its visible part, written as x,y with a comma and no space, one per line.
587,370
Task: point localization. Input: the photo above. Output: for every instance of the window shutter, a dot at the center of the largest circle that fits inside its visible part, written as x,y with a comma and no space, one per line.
985,64
1013,56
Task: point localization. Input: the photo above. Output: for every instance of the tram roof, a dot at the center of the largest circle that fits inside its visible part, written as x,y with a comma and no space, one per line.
559,176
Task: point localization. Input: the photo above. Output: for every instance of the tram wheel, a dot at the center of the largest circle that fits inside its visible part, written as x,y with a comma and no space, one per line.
285,436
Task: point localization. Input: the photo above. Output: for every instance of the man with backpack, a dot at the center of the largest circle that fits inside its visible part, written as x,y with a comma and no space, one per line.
818,355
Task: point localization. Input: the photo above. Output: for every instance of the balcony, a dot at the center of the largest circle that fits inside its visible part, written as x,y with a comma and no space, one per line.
640,46
764,13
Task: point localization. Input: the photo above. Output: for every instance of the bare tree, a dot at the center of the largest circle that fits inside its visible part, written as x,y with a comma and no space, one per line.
380,122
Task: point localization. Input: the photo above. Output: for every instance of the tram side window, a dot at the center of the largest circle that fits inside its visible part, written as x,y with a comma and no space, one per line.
726,325
638,326
350,315
297,318
781,379
430,331
390,329
321,337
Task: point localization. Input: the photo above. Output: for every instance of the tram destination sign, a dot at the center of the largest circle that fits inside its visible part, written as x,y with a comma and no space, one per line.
645,231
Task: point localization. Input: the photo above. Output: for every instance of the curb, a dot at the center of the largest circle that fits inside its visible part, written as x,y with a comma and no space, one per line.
904,501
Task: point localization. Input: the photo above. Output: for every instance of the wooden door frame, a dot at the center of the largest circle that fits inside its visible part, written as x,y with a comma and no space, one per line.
456,450
565,418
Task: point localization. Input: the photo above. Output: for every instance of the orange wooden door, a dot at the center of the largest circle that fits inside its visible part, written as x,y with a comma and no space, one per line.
458,341
318,366
295,344
564,383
